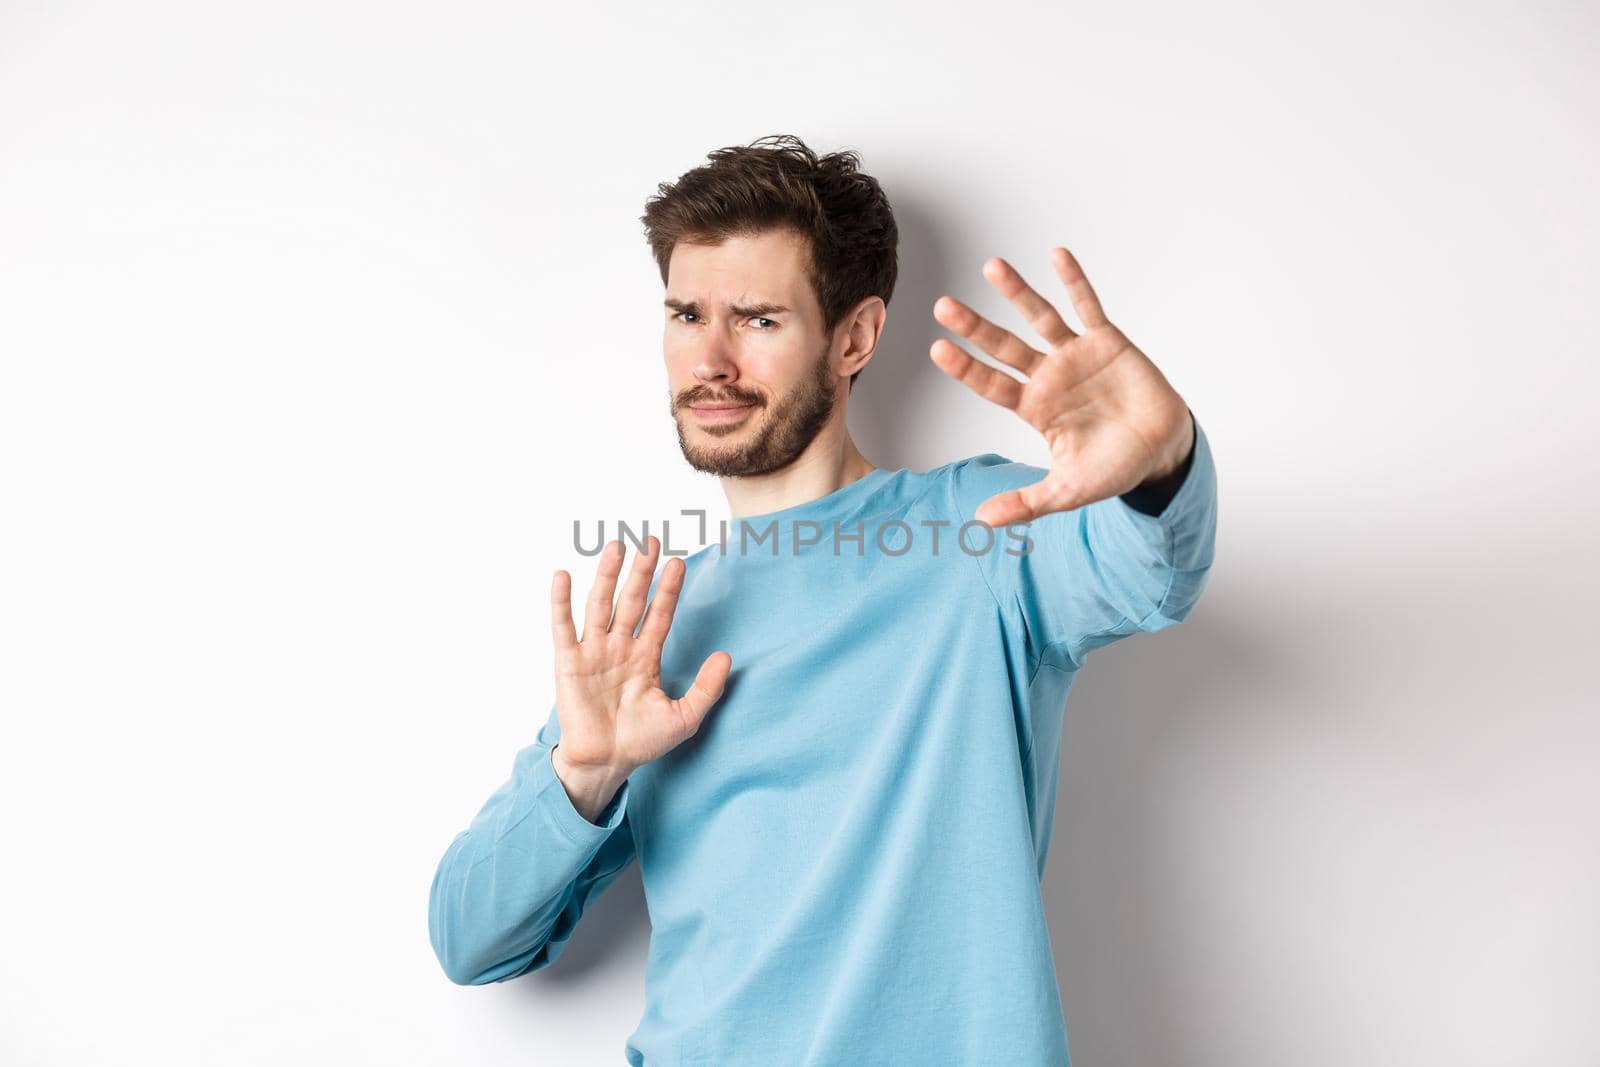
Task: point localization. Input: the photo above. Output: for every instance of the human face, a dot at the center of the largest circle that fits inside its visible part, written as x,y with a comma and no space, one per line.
749,367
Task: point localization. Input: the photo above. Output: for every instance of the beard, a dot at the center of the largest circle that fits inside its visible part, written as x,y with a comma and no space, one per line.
775,439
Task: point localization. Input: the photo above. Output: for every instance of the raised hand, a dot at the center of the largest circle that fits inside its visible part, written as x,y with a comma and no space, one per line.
614,715
1111,419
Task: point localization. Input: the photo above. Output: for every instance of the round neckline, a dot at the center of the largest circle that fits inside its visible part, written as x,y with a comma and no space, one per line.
826,506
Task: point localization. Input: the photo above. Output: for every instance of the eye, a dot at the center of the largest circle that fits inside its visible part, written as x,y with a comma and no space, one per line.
681,314
758,318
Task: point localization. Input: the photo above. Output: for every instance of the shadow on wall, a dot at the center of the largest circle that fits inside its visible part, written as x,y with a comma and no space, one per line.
901,380
1314,791
614,920
1132,701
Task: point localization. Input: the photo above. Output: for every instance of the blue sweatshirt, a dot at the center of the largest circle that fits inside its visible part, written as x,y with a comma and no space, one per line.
843,865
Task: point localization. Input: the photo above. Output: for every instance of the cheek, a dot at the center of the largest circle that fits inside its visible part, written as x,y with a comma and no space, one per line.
774,369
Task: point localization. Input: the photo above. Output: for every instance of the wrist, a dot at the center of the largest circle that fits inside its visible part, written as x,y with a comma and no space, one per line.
1152,495
590,787
1177,453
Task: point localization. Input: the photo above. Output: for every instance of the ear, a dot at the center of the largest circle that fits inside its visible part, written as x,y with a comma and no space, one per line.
861,327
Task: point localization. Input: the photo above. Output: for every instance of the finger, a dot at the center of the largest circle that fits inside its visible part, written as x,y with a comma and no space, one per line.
982,379
658,620
1039,312
566,637
1084,302
706,689
597,612
631,604
1000,343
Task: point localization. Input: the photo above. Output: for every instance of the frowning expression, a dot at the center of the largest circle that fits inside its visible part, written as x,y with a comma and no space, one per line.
749,372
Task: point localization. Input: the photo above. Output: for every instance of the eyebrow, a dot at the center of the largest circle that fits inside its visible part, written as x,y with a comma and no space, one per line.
742,310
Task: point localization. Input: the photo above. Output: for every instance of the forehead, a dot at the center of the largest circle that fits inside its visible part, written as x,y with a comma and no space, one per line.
769,267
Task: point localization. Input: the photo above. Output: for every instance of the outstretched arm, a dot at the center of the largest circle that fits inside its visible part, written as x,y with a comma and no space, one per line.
1124,520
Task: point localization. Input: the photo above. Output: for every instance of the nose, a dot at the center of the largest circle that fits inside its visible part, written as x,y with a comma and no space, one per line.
714,361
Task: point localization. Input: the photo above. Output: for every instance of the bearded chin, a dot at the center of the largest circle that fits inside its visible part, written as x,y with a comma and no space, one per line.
787,430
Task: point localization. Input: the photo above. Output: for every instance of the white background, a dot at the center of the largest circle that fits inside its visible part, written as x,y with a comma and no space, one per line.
322,322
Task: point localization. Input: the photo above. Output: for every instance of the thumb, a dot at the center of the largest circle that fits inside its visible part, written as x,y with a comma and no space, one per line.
1016,505
706,688
1044,497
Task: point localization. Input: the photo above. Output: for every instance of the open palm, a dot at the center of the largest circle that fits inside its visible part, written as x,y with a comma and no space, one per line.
613,712
1109,416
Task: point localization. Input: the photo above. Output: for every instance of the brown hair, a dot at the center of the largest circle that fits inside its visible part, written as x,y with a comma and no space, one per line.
776,182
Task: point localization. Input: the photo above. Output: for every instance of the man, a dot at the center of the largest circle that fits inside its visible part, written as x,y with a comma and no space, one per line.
842,861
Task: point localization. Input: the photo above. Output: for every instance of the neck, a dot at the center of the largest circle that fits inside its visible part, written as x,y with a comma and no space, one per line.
828,464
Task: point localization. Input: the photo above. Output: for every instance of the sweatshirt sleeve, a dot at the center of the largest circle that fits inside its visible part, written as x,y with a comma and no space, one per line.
1081,579
511,887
